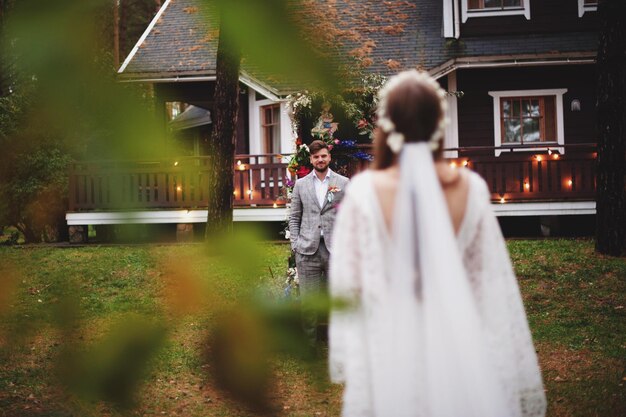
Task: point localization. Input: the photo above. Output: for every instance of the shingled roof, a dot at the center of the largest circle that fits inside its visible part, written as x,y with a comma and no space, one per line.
177,42
388,35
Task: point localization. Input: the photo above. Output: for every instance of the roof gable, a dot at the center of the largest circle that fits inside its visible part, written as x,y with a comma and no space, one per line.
180,40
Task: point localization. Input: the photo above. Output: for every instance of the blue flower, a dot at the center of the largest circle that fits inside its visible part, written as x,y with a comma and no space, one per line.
363,155
347,143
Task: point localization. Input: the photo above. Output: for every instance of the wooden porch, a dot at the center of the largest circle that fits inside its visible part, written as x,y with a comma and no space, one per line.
540,175
177,183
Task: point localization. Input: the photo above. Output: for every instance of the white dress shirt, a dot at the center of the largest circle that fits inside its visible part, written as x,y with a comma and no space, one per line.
321,188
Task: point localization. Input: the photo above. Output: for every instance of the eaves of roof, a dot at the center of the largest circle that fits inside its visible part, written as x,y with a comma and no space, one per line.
520,60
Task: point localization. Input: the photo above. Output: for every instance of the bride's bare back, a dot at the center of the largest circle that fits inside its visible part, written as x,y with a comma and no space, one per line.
454,183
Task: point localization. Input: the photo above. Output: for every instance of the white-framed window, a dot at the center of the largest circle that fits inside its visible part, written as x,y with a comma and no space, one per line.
270,128
528,117
485,8
587,6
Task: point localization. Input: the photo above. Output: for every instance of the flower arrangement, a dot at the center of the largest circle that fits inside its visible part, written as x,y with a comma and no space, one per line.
362,103
299,165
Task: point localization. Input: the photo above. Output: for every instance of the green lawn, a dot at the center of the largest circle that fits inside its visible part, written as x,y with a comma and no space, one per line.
72,316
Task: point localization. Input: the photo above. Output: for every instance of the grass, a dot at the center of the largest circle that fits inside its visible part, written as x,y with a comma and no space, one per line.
51,298
576,305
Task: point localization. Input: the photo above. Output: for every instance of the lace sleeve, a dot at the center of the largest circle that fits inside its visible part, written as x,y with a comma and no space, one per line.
494,284
343,284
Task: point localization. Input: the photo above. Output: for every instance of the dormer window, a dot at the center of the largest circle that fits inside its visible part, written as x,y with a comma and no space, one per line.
585,6
487,8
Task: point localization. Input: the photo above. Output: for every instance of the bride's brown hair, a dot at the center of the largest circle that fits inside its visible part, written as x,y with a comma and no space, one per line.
415,109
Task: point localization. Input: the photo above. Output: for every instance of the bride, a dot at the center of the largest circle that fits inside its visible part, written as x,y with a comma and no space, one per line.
436,325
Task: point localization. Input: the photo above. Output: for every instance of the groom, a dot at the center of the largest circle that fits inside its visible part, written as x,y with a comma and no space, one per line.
313,205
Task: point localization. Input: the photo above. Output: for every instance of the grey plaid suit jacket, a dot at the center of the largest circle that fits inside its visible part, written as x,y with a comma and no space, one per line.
308,219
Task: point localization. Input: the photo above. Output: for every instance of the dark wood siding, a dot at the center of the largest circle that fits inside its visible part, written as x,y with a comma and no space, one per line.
475,108
546,16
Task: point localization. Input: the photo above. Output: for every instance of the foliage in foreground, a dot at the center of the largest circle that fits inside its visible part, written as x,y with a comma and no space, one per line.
92,308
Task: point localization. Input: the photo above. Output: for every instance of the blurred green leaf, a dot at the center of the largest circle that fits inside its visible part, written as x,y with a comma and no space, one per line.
113,368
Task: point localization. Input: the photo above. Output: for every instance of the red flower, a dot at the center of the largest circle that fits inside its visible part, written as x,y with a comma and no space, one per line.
303,171
362,124
298,141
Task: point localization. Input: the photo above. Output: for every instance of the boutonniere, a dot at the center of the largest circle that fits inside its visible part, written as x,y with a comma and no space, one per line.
331,192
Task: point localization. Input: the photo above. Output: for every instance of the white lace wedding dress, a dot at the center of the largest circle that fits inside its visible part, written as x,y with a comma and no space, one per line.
376,347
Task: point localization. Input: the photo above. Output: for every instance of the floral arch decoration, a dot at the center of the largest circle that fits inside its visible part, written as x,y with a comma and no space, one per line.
344,121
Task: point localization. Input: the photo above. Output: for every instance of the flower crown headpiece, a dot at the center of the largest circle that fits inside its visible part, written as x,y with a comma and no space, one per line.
395,140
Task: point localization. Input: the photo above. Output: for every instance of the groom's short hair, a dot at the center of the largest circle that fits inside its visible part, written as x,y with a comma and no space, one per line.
317,145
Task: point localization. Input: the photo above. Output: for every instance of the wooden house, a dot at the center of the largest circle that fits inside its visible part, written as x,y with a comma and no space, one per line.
523,116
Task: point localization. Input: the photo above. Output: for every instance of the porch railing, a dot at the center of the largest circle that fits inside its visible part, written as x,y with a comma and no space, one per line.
540,175
177,183
259,180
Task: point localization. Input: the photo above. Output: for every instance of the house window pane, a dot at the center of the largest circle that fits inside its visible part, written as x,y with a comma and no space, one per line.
493,3
506,109
526,108
512,131
512,3
550,118
516,108
534,108
531,130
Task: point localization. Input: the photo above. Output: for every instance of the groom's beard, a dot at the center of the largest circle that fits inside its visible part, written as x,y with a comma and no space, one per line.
320,168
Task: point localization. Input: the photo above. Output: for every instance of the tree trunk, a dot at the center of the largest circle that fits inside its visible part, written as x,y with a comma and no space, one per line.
222,143
611,109
116,34
122,27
